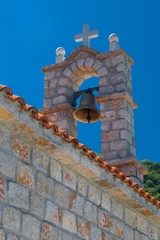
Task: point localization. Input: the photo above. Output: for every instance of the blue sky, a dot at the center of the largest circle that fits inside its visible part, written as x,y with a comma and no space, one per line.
31,30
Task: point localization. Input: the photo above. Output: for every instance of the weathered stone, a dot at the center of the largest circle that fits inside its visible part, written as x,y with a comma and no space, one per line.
18,196
45,186
69,178
21,149
124,134
119,124
2,235
118,78
4,141
90,212
84,229
69,221
119,145
7,165
40,159
62,196
3,189
49,232
106,201
11,219
25,176
108,116
37,204
110,136
142,225
94,194
103,71
82,186
53,213
117,209
95,233
76,204
130,217
30,227
104,220
13,237
56,170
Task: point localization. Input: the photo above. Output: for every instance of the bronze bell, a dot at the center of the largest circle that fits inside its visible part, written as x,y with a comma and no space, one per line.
87,111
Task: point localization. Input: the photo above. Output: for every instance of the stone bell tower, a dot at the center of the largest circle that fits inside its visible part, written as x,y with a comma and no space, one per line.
115,97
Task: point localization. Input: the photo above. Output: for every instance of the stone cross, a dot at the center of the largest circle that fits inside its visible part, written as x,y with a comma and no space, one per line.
86,35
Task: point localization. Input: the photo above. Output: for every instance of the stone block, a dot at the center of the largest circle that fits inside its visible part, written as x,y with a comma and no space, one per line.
76,204
124,134
49,75
110,136
118,228
37,204
58,100
96,233
30,227
82,186
142,225
56,170
65,236
117,209
119,124
117,60
122,68
4,140
3,189
119,145
94,194
118,78
69,178
69,221
45,186
97,65
106,202
13,237
11,219
108,115
130,218
110,155
90,212
21,149
121,87
49,232
18,196
62,196
53,213
152,232
122,113
83,229
25,176
104,220
67,72
8,165
40,159
2,235
102,72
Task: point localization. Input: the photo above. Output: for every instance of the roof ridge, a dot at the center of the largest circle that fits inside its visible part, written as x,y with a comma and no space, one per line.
43,120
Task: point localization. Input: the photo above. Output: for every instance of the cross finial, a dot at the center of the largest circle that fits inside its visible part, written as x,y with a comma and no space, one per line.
86,35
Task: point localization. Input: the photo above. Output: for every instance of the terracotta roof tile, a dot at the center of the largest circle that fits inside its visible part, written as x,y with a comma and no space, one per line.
43,120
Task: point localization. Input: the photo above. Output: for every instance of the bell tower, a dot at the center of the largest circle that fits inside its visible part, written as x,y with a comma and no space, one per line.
113,69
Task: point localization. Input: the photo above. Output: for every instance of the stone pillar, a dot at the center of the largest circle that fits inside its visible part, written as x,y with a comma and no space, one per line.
58,88
117,118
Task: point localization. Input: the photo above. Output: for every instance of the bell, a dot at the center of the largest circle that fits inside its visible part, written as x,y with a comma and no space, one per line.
87,111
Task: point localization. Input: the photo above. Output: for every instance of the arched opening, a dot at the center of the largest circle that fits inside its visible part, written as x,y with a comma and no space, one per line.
89,134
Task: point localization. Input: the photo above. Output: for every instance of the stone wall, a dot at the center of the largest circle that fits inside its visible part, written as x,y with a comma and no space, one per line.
42,199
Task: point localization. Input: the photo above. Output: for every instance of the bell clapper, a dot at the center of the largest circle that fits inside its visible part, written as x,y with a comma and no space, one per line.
89,116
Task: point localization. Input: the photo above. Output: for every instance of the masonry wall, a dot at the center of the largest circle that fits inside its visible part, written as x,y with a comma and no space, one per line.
40,199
